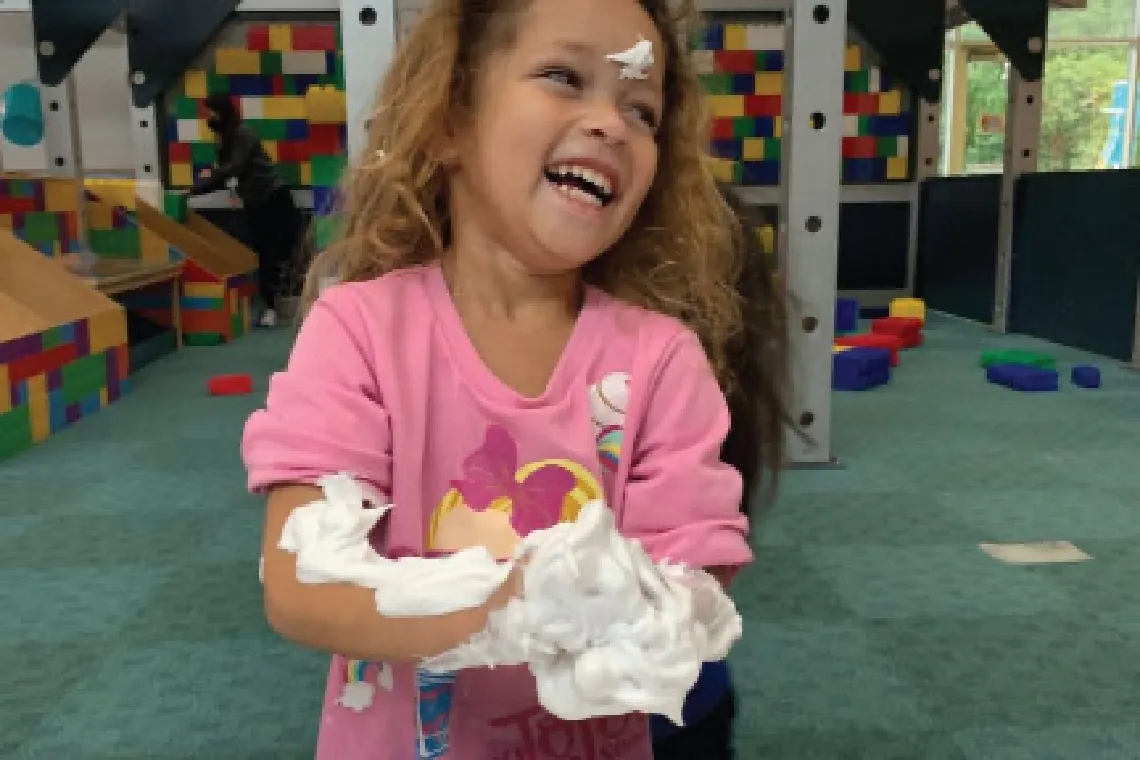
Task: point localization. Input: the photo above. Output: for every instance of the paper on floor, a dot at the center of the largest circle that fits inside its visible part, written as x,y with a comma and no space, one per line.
1035,553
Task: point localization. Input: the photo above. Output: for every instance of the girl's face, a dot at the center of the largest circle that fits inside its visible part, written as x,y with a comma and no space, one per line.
560,149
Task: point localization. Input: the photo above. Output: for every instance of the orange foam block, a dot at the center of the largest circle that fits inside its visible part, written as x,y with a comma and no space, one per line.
229,385
873,340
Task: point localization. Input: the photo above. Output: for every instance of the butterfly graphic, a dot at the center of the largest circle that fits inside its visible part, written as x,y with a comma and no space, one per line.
489,475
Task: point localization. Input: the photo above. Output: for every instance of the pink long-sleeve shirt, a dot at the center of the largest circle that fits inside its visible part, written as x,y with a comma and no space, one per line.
384,383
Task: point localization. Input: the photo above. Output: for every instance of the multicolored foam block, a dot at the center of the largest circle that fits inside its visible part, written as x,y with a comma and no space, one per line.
42,212
53,378
288,83
742,67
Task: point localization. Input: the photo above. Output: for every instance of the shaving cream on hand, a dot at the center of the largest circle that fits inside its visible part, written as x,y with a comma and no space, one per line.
330,539
604,629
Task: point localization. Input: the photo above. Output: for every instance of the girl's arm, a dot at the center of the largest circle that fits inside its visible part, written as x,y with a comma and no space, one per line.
342,619
681,501
324,414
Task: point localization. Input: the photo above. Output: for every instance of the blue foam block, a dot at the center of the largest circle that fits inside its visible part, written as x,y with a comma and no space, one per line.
1021,377
1086,376
860,369
846,315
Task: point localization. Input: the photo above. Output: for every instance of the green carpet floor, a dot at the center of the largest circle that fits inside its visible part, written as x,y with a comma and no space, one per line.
132,626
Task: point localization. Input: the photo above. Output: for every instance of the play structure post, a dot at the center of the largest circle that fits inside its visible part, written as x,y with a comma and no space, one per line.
809,211
1022,134
926,155
62,144
368,30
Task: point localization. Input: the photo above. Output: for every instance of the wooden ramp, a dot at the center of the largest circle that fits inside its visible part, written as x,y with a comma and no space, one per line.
63,347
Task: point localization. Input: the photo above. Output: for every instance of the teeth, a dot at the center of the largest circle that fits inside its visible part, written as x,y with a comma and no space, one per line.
595,178
579,194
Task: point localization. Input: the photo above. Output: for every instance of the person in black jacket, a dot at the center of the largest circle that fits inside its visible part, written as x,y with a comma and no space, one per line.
275,223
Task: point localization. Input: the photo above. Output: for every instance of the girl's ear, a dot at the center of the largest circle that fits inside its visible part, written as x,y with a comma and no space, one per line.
453,137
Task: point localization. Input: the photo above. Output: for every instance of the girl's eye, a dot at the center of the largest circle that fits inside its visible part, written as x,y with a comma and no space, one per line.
564,76
647,115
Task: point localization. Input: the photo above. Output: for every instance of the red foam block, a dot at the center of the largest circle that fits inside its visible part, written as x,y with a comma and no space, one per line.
907,329
229,385
873,340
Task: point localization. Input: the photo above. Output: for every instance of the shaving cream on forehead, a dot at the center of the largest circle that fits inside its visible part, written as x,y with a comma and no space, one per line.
635,61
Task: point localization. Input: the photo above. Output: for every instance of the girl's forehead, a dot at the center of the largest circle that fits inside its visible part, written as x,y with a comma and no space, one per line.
603,26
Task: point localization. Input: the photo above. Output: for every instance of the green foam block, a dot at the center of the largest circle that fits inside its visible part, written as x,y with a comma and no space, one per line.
1018,356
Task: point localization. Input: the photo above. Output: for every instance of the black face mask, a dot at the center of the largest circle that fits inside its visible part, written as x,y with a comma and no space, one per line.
215,124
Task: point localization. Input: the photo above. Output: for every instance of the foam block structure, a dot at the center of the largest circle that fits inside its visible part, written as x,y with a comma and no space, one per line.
907,329
1085,376
860,368
846,316
873,340
1023,377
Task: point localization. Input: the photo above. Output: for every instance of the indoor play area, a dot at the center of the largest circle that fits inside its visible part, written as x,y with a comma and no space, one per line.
949,191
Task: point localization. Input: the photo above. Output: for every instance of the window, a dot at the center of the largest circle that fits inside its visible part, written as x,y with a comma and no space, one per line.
1080,128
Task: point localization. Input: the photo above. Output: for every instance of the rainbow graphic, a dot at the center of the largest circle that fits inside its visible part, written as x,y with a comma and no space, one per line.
609,447
356,671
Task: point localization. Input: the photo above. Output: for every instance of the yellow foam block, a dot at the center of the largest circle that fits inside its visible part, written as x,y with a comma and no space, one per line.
767,237
853,58
769,83
898,167
104,399
890,103
152,247
280,37
181,175
230,61
777,128
284,107
753,149
5,384
840,349
203,290
100,216
195,83
60,195
117,192
726,106
306,173
914,308
271,149
723,169
107,329
326,105
735,37
39,408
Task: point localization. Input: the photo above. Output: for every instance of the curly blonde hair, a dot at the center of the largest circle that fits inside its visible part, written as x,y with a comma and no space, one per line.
681,255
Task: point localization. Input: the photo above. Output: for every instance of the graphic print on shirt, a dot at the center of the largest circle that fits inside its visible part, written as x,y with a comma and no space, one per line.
360,681
609,402
434,694
495,502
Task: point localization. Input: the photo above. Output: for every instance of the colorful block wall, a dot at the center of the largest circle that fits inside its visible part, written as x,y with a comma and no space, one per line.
113,232
288,82
52,379
742,67
44,213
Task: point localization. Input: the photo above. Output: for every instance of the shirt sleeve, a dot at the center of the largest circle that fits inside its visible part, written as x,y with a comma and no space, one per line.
324,413
681,501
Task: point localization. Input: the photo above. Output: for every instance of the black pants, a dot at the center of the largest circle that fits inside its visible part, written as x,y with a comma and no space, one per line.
275,227
708,739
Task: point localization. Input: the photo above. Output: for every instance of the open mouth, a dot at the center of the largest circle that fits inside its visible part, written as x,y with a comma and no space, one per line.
581,183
